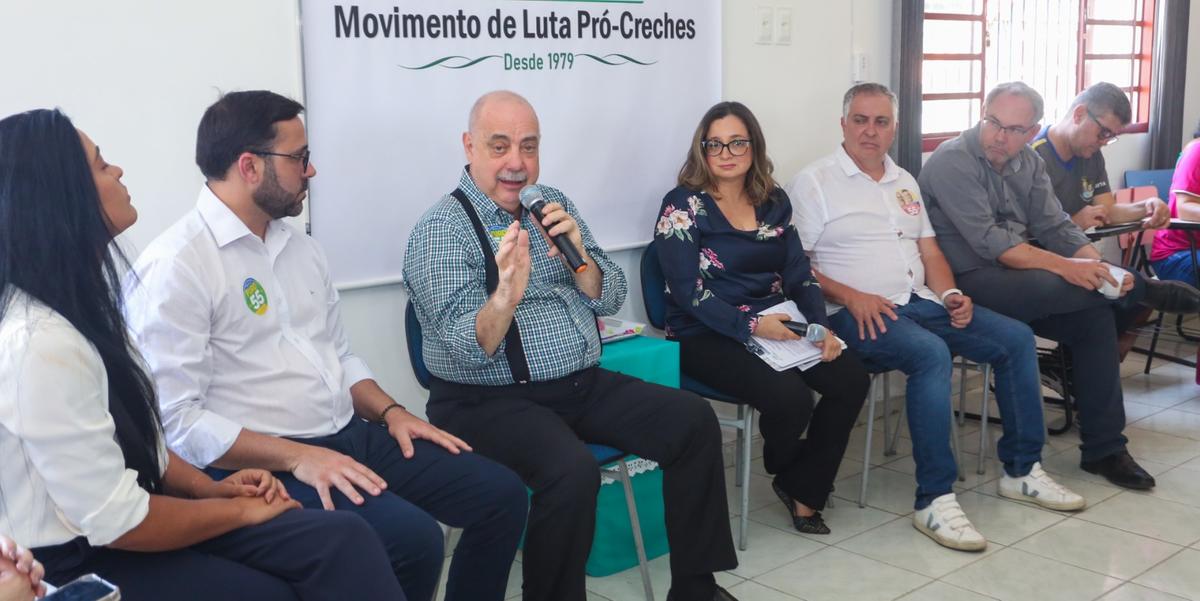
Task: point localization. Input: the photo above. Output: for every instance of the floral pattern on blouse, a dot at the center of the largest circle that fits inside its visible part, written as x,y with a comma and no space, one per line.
731,275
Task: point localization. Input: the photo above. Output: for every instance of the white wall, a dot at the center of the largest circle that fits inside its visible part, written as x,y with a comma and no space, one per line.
136,75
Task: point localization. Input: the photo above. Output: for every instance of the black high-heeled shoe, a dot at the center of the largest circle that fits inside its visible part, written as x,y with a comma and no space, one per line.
813,524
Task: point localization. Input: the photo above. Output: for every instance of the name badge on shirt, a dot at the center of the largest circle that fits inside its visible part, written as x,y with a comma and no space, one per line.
908,202
256,296
1086,190
497,232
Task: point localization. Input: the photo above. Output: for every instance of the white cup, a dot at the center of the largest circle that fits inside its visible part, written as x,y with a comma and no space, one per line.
1107,289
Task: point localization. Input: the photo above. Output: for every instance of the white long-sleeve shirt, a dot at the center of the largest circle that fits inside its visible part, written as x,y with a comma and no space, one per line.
240,333
62,473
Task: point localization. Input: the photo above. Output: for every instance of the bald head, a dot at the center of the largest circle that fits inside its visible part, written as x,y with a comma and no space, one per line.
499,102
501,143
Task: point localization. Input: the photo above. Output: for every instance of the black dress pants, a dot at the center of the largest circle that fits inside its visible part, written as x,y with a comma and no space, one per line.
539,431
805,469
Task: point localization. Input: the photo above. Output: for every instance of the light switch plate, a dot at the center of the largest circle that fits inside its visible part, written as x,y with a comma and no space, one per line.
783,26
766,25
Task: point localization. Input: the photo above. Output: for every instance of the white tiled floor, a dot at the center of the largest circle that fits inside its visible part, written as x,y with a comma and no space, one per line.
1125,546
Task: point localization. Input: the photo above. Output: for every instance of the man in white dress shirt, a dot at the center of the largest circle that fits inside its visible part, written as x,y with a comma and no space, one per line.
237,317
891,297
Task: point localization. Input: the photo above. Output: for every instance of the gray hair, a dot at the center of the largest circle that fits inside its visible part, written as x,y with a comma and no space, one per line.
869,89
1103,98
1019,88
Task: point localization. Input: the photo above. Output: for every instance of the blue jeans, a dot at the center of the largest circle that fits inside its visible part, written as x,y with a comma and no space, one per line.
920,344
1178,266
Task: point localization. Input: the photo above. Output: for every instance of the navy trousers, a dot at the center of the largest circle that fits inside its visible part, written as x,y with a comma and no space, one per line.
301,555
465,491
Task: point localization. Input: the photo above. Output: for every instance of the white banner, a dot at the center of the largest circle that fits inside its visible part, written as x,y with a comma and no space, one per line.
618,85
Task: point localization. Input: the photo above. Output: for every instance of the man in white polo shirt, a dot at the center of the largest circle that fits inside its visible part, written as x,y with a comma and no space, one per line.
237,317
891,297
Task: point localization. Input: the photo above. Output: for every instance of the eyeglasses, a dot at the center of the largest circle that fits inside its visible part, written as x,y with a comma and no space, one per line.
1009,130
736,148
302,157
1107,136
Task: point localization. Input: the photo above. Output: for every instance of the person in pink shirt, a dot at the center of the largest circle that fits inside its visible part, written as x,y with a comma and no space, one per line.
1171,256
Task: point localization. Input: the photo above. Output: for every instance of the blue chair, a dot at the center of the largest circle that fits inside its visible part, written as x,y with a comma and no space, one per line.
654,296
1159,178
611,461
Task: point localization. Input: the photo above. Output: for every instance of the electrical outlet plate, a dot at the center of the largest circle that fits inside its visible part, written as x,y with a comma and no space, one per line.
783,26
860,67
766,25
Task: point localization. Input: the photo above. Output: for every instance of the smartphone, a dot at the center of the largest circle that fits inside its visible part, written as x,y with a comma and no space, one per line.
88,587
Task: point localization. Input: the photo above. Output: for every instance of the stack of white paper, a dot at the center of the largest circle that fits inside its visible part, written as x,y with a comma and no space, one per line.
786,354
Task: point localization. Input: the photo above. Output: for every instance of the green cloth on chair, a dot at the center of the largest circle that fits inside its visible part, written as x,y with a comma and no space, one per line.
651,359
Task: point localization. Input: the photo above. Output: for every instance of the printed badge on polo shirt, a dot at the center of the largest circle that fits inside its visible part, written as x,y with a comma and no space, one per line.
908,202
256,296
1086,190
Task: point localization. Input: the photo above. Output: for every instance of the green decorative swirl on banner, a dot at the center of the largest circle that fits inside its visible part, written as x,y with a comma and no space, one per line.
605,59
441,62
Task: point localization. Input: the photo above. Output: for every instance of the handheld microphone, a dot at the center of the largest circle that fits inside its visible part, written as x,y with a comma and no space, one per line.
532,199
813,332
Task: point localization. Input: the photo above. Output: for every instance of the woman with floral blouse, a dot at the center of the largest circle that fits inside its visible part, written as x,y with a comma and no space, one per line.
729,251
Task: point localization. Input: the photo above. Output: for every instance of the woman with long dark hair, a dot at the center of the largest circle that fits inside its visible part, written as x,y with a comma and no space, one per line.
730,253
86,480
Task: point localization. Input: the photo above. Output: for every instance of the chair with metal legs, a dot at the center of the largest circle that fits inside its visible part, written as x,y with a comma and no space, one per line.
876,378
654,297
610,461
891,433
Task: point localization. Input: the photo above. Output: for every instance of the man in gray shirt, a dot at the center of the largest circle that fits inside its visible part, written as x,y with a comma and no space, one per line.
988,197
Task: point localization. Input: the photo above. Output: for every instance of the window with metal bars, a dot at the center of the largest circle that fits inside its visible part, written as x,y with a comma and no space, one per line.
1057,46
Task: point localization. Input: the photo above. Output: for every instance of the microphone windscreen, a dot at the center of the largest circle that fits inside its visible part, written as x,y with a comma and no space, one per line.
531,195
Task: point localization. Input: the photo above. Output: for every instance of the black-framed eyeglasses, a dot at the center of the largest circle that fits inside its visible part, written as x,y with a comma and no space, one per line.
1107,136
302,156
736,148
1010,130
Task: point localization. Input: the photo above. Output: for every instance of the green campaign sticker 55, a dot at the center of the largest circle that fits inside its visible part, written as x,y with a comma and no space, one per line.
256,296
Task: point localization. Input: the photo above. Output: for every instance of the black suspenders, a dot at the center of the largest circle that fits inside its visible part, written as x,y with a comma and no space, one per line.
512,339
